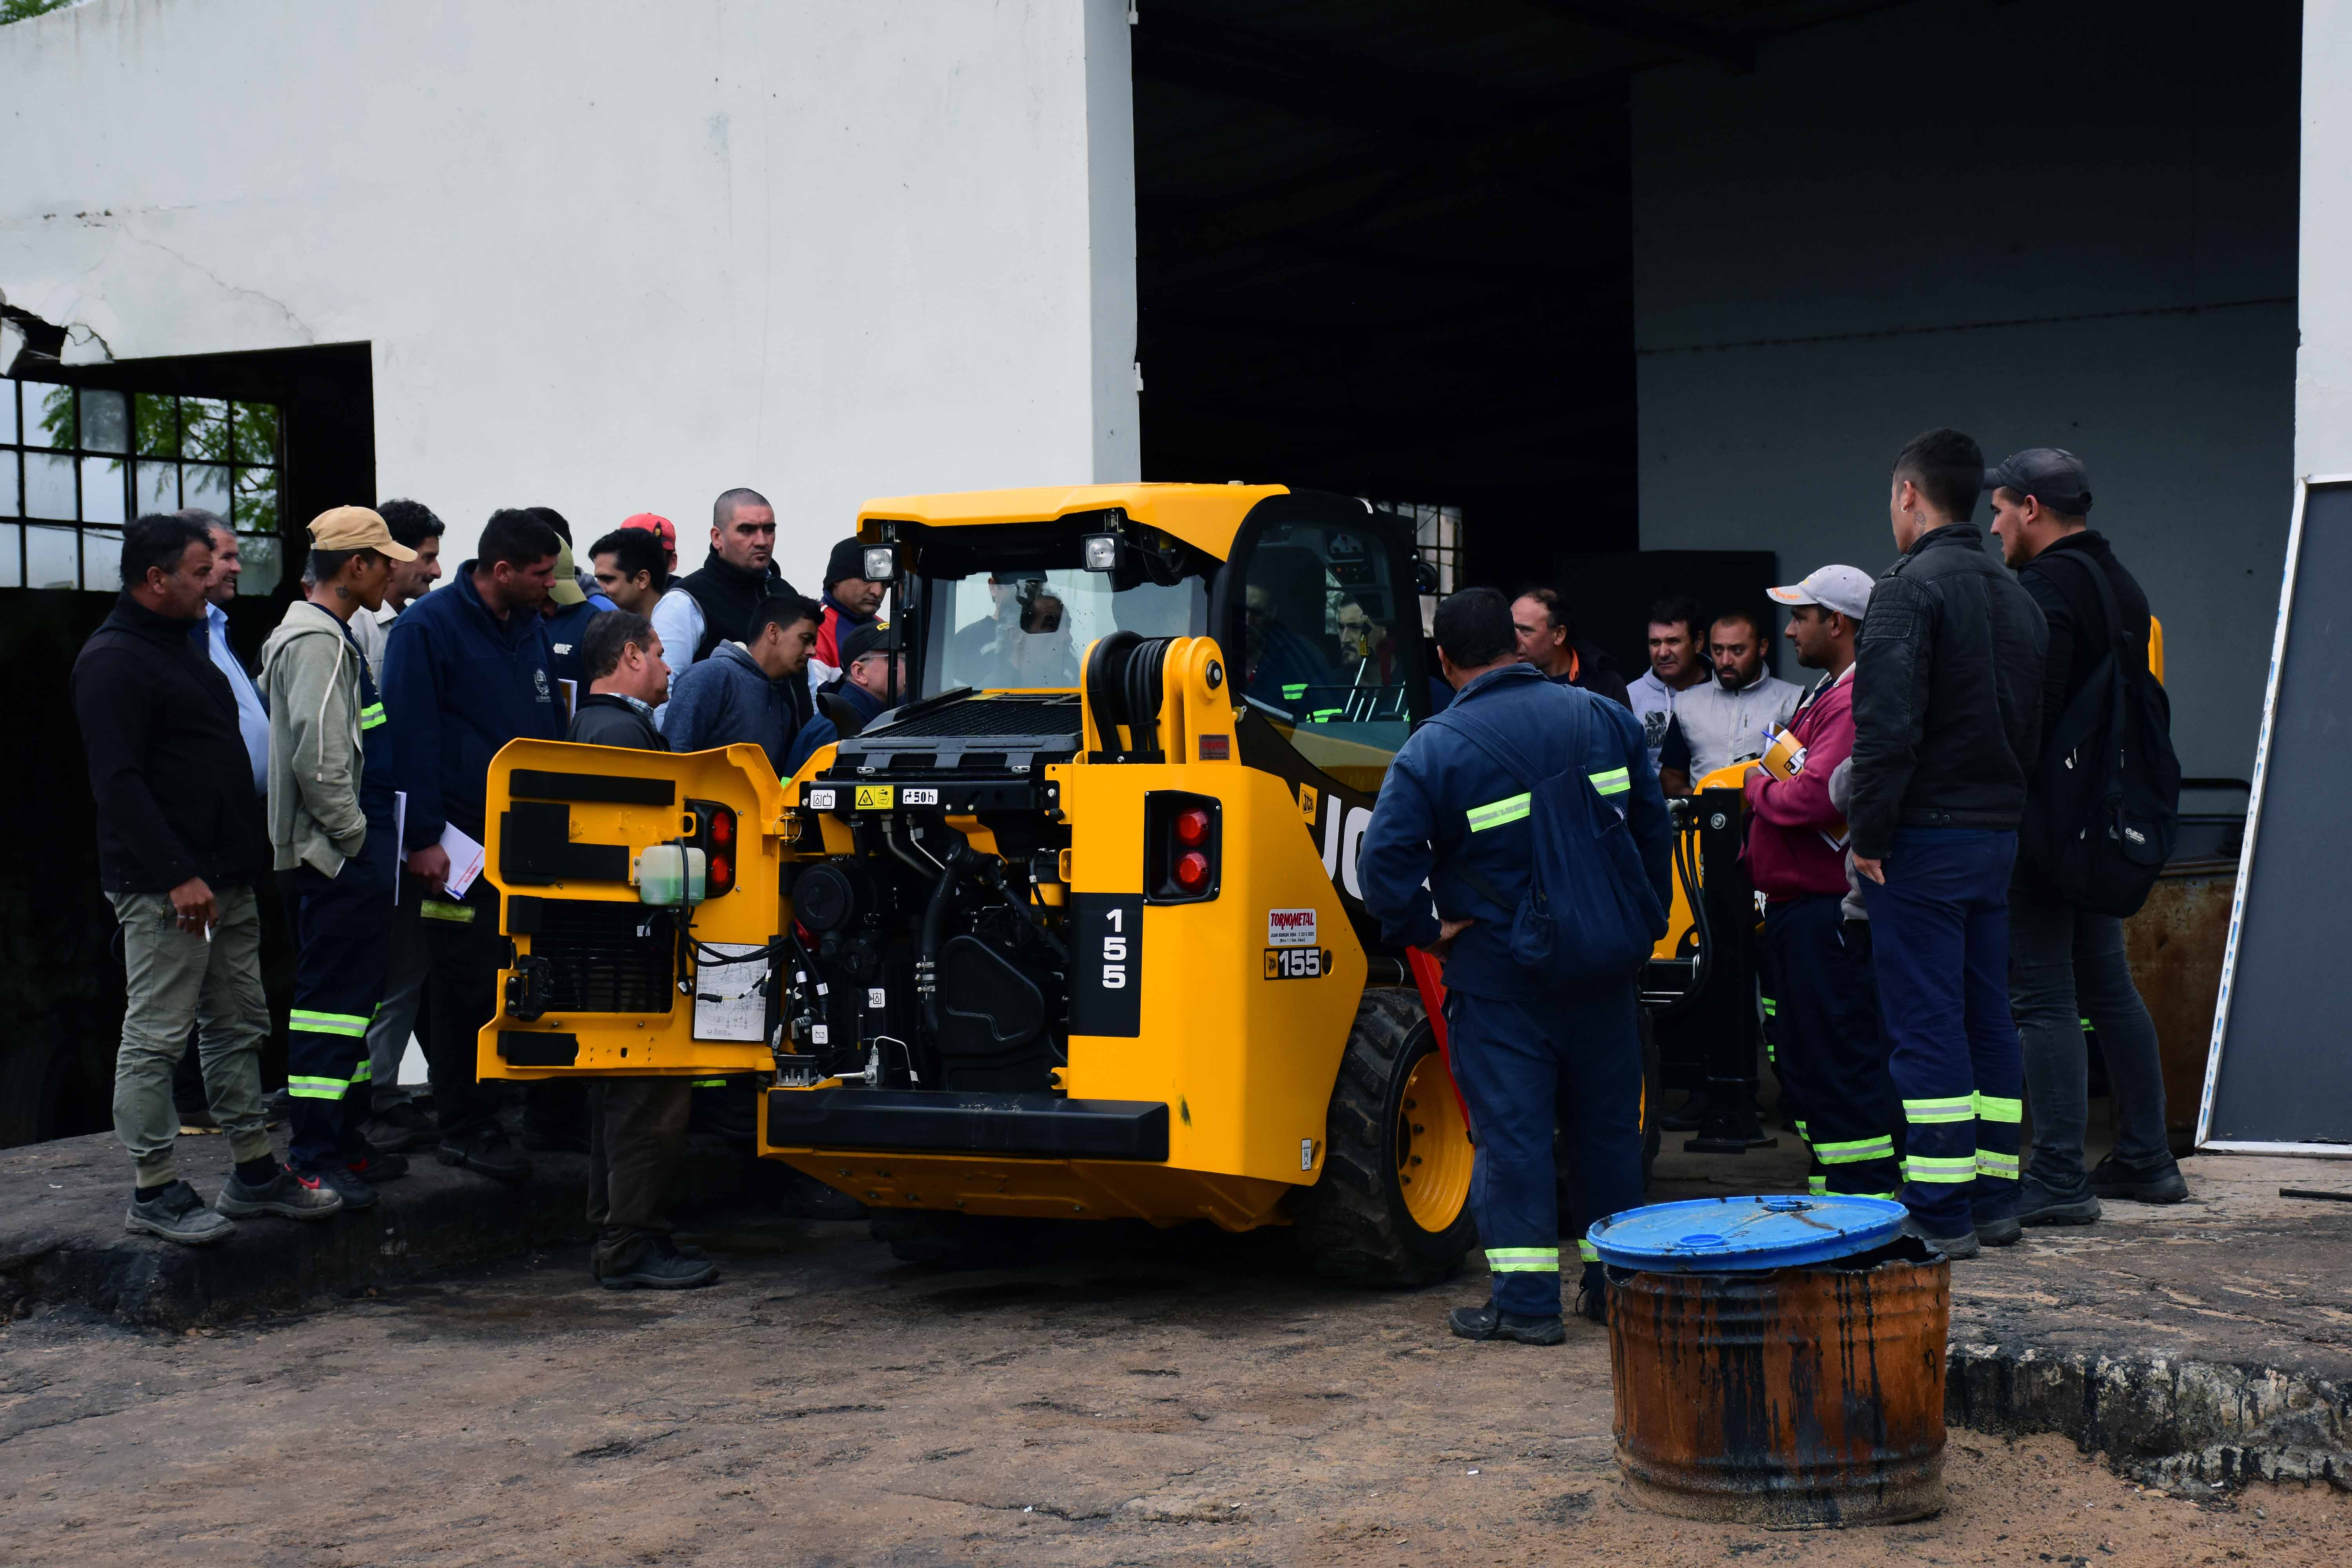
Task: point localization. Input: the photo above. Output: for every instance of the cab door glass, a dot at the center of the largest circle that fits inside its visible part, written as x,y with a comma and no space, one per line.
1325,654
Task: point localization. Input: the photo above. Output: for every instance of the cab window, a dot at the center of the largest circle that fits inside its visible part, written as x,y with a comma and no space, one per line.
1326,650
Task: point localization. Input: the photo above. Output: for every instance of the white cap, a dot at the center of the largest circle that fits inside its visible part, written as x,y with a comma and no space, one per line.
1845,589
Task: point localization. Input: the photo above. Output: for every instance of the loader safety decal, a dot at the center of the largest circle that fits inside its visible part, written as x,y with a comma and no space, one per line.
1106,964
873,798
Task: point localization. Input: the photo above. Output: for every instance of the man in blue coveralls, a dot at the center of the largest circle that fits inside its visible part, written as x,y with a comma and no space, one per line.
1444,865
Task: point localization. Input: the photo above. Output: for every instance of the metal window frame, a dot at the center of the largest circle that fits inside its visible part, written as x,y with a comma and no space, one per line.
2206,1143
75,453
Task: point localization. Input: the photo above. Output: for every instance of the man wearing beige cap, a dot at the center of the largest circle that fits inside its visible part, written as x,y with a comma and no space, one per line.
333,842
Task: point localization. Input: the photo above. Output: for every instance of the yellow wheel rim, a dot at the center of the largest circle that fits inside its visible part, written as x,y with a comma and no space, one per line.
1433,1144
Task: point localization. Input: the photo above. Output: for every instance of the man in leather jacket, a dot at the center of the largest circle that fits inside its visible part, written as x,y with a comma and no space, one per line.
1946,719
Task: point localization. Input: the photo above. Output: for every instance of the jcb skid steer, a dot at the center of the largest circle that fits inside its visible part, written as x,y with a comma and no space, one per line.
1074,932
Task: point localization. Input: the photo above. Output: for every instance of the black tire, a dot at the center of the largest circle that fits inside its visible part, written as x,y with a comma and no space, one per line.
1354,1222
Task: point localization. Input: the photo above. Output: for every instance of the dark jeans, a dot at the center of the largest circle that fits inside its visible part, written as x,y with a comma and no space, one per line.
1939,926
1831,1047
464,953
636,1135
1509,1058
343,924
2067,966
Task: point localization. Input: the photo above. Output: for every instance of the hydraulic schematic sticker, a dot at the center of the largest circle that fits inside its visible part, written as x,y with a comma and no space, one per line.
730,1000
1106,964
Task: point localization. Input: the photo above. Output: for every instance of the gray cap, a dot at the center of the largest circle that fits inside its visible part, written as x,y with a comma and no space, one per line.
2054,478
1845,589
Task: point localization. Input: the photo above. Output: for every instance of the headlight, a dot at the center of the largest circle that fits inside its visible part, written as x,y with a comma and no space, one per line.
881,563
1101,552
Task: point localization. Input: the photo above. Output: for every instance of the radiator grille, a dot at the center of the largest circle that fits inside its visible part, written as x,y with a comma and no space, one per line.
598,964
1022,716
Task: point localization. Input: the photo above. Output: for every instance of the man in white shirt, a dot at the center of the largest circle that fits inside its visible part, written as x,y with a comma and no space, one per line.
1724,719
252,715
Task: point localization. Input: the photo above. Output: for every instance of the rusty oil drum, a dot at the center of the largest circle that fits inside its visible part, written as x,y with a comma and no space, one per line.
1794,1398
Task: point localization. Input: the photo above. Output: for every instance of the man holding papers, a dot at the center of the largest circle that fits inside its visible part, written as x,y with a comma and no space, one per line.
465,672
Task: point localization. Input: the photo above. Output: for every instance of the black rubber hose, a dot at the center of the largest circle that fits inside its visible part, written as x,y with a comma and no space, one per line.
1703,968
926,951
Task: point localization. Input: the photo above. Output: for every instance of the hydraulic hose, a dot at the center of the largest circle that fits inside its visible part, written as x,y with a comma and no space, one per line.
927,950
1687,873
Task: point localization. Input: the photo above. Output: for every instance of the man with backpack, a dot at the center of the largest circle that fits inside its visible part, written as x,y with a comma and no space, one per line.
1947,724
1520,837
2065,928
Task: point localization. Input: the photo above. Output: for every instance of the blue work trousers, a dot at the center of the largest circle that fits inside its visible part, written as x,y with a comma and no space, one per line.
1939,926
342,925
1509,1059
1832,1051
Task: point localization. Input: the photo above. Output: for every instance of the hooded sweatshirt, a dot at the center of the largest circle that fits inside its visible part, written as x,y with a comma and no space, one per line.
312,674
728,698
459,683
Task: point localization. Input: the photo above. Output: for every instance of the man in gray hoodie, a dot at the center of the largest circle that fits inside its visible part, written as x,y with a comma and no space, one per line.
333,842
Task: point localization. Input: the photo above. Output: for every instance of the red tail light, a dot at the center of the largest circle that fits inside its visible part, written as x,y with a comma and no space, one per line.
1182,843
722,828
714,833
1191,871
1192,831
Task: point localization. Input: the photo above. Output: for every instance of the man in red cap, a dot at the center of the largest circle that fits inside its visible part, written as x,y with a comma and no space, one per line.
654,523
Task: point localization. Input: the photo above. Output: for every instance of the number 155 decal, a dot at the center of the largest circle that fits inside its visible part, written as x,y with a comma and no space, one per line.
1298,963
1106,964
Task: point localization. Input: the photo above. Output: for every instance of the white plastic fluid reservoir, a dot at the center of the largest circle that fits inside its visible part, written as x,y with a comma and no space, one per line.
669,874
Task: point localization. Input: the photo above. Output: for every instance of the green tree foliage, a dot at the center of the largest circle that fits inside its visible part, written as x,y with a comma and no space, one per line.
21,10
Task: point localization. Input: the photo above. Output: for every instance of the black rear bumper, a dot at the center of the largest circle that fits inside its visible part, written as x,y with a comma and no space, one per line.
1039,1125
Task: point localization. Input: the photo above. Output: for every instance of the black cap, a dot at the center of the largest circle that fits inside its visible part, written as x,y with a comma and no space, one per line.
847,560
2056,478
875,639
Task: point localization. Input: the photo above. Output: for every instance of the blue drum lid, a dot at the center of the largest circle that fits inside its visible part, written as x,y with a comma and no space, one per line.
1713,1235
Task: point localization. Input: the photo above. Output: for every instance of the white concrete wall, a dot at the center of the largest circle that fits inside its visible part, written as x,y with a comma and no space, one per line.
2053,222
2322,397
612,256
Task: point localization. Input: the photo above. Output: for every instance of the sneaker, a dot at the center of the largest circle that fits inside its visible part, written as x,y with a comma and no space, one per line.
176,1213
1964,1245
375,1165
2037,1205
657,1267
349,1186
487,1150
2002,1232
2157,1183
1491,1322
289,1194
400,1126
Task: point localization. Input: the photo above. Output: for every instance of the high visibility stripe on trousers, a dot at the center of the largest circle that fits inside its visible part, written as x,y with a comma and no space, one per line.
1523,1260
342,1026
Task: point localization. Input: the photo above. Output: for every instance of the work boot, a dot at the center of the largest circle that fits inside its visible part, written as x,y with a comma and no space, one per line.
486,1150
374,1165
290,1194
2040,1205
348,1185
400,1127
1491,1322
1593,1303
2001,1232
658,1266
175,1213
2159,1181
1964,1245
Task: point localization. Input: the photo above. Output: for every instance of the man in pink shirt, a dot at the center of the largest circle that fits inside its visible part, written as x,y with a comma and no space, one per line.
1830,1052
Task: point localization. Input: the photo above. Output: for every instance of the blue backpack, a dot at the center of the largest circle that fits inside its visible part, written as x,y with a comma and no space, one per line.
1589,913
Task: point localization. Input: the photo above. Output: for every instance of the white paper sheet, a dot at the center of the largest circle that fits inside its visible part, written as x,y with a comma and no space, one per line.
465,860
722,1010
399,838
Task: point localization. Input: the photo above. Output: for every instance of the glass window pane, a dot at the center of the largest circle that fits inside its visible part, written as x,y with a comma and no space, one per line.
255,426
101,560
105,422
204,486
256,500
101,489
7,410
51,559
159,427
263,559
48,485
204,430
158,488
8,485
49,411
12,539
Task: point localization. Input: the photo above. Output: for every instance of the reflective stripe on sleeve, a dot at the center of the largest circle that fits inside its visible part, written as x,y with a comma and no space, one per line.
1497,813
1957,1107
1613,782
1523,1260
372,715
1990,1108
439,910
1587,1252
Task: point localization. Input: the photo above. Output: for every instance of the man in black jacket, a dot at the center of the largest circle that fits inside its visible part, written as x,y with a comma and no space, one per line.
636,1126
2067,964
1947,724
179,841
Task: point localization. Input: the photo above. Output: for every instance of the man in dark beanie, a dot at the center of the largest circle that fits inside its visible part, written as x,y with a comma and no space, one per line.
851,602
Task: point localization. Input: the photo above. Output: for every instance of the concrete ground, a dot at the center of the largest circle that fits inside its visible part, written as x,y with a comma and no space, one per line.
1138,1399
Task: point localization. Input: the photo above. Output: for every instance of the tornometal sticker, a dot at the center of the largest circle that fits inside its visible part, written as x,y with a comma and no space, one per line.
1290,928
